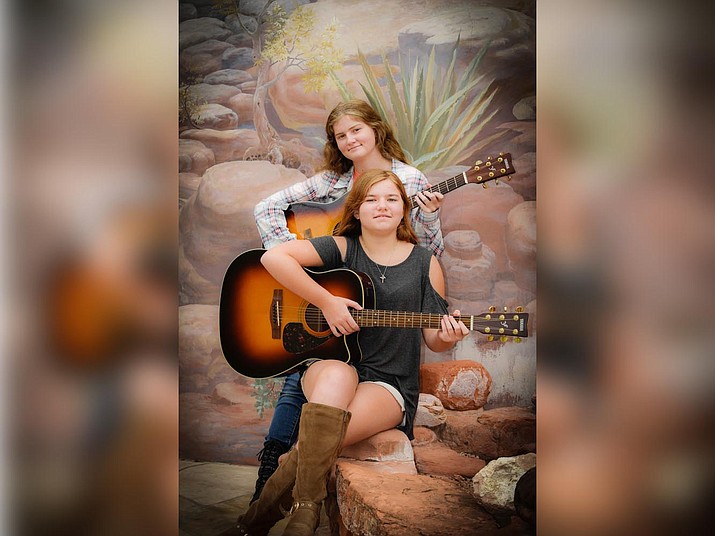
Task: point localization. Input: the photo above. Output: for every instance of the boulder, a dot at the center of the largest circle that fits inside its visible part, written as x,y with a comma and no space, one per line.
494,485
227,145
214,116
194,31
217,223
195,157
390,445
205,57
430,411
383,504
459,385
438,459
491,434
521,244
213,93
188,184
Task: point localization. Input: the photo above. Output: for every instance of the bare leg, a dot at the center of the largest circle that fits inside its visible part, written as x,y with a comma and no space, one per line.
373,407
374,410
330,382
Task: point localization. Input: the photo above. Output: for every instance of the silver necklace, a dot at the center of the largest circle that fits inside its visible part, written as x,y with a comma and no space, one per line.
382,272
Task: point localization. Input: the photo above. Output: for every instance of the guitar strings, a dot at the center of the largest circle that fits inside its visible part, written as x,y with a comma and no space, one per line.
315,320
443,188
314,314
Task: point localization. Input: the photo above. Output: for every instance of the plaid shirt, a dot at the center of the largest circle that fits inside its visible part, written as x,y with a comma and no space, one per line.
328,186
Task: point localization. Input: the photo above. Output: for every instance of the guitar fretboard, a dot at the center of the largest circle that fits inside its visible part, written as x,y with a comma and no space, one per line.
400,319
444,187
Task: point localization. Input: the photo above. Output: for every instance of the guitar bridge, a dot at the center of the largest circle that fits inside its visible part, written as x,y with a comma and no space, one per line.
276,308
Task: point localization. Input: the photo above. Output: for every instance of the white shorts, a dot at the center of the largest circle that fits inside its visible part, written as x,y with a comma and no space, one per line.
396,394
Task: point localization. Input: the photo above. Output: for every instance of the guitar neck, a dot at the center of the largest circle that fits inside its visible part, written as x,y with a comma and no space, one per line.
403,319
444,187
514,324
480,173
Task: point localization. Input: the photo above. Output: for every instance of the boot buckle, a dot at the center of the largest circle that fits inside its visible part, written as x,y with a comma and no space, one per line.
302,504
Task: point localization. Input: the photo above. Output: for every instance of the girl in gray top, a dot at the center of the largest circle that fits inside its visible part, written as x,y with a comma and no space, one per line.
347,403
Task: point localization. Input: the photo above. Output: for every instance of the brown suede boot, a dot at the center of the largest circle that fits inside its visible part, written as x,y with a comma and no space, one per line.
322,430
272,505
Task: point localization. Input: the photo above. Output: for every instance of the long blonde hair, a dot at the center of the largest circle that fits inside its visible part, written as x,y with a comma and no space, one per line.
385,140
350,225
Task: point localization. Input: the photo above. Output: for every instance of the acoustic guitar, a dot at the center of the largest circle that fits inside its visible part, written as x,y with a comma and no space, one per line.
266,330
310,219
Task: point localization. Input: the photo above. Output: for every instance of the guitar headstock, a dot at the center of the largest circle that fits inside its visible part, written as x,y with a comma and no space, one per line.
492,169
503,325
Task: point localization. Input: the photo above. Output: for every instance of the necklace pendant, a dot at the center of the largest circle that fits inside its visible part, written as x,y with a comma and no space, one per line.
382,279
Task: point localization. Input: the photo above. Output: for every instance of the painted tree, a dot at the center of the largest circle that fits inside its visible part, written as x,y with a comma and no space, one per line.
281,41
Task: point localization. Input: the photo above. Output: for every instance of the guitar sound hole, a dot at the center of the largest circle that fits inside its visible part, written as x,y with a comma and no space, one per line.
314,319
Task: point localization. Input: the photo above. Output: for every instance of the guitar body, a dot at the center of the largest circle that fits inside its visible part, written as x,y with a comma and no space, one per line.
310,219
266,330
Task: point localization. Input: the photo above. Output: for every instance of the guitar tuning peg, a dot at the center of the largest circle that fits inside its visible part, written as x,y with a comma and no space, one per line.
478,163
484,185
517,339
490,338
506,309
492,309
501,154
496,181
519,309
503,338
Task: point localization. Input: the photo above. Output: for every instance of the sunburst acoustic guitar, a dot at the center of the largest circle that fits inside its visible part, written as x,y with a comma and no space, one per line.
266,330
310,219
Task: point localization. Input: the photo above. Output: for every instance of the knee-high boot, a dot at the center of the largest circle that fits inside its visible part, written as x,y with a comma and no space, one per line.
272,505
322,430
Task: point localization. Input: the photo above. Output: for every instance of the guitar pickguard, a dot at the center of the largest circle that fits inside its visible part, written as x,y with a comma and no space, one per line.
297,341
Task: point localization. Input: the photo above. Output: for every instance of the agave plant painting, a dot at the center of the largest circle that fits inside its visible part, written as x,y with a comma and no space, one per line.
436,113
